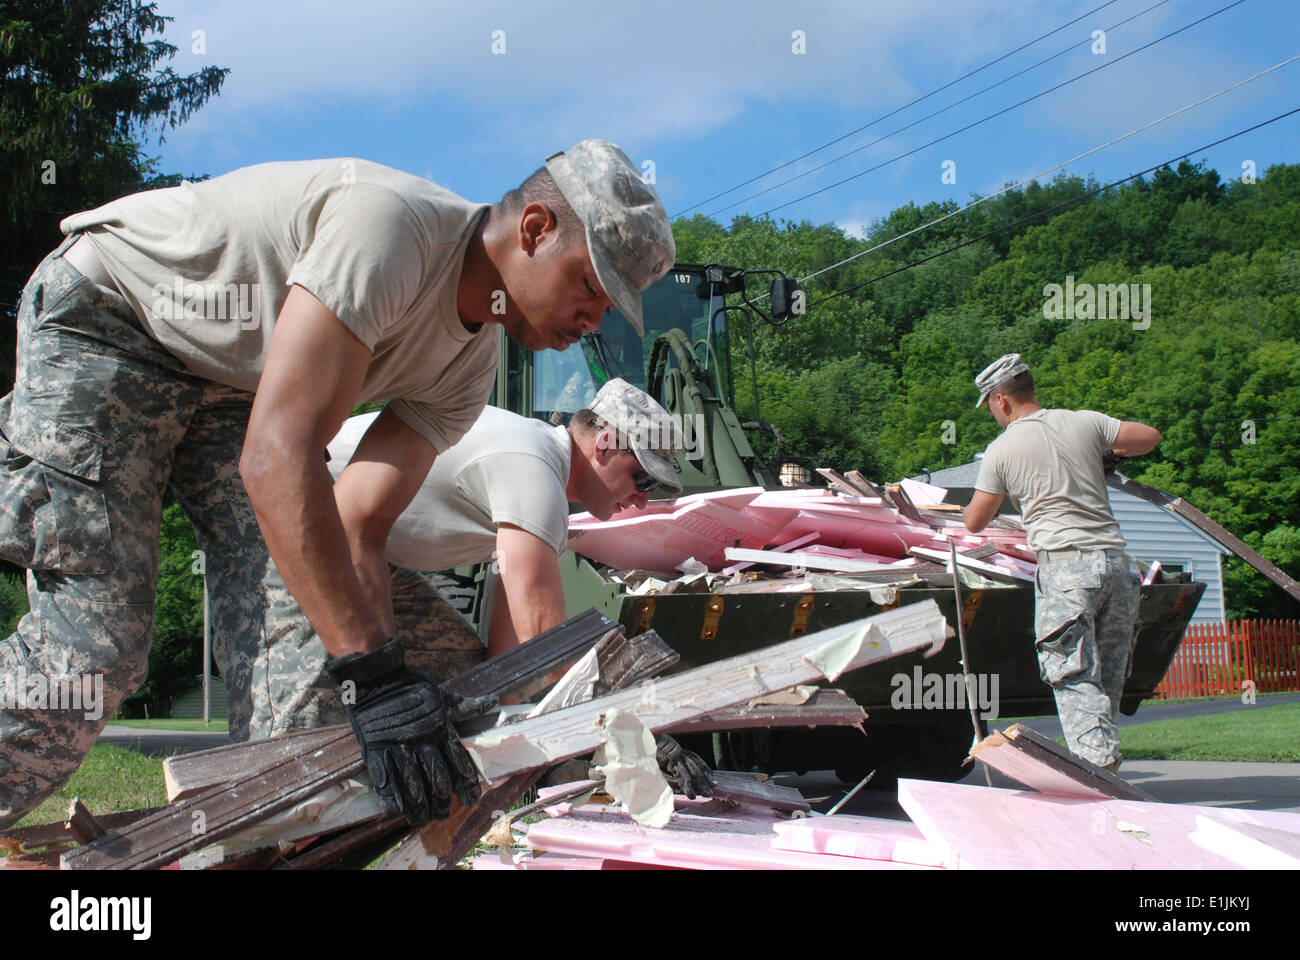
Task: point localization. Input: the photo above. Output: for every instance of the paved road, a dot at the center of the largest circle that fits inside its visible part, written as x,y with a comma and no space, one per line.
160,743
1259,786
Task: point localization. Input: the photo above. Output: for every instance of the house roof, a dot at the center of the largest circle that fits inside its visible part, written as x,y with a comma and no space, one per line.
951,477
964,477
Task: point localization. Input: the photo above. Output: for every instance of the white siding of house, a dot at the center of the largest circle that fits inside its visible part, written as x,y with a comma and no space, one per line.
1153,533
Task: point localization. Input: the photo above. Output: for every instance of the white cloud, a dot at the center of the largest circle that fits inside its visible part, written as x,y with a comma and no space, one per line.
640,73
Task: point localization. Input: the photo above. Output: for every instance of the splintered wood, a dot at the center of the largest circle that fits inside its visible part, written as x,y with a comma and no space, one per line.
219,803
239,803
1028,757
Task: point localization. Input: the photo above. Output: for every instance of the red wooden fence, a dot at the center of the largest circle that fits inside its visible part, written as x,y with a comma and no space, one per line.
1226,659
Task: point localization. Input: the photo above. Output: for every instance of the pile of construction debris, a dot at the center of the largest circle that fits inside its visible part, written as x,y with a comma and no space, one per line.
302,800
849,535
1073,816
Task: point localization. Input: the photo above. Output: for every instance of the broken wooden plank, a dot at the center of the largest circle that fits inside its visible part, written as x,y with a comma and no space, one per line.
29,839
341,805
825,708
442,844
538,657
760,793
864,486
979,566
337,806
188,774
625,660
350,848
1038,762
663,703
532,743
192,773
1180,507
839,483
221,811
84,827
903,503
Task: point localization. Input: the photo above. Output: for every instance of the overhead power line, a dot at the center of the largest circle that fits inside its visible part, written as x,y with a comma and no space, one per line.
1051,169
886,116
1052,209
999,113
931,116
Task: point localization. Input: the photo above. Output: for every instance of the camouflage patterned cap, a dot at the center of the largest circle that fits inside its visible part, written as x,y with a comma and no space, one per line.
997,373
628,236
647,429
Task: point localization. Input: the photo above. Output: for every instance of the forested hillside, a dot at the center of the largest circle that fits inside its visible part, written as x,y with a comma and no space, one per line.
880,379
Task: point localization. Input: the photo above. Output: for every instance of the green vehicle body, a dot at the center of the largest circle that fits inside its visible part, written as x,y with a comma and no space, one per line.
685,360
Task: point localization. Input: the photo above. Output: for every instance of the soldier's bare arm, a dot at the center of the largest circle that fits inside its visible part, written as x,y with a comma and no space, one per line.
313,374
982,508
531,598
1135,439
382,477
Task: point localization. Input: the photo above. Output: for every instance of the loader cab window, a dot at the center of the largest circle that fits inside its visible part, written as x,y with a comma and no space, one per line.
670,302
564,382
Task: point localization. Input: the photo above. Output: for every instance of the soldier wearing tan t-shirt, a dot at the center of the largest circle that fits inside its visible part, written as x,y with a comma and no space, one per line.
1050,463
208,340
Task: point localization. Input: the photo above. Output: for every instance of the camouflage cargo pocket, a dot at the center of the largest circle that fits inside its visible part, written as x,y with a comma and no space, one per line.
52,511
1066,653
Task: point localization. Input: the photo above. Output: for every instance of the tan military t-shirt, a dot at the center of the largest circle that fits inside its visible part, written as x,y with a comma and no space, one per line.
207,266
1049,463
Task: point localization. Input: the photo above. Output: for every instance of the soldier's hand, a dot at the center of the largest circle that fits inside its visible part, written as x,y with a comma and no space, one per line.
404,724
683,766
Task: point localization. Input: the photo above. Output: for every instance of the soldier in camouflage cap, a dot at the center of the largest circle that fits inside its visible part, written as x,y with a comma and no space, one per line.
208,339
628,236
645,428
1050,462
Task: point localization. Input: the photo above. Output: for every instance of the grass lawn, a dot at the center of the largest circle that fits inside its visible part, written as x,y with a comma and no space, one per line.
165,723
110,779
1253,733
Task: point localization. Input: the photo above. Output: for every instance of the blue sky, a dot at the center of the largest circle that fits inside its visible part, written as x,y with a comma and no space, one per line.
713,92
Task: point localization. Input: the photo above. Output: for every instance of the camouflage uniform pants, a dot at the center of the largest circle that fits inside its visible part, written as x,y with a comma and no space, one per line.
437,640
101,420
1085,611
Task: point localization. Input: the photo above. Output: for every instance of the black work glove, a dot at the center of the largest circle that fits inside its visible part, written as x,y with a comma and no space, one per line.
1109,461
403,722
683,766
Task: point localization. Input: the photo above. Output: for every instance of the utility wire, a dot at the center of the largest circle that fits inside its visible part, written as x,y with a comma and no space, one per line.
1052,169
891,113
1052,209
999,113
930,116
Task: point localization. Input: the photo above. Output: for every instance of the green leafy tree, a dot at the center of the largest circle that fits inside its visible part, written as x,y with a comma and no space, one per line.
880,379
85,82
